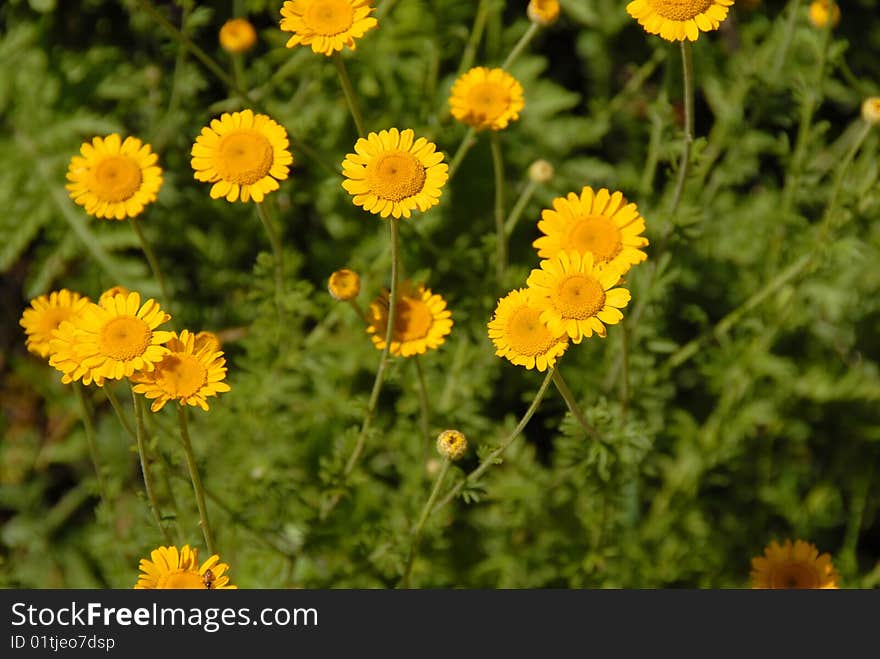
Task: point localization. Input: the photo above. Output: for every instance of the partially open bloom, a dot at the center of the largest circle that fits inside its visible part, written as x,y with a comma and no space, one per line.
327,25
823,11
113,291
391,173
486,98
677,20
543,12
421,320
206,338
344,284
452,444
520,335
171,569
237,35
871,110
797,565
45,315
243,154
114,179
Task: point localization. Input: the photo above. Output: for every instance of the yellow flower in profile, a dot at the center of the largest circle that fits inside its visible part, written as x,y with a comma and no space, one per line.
45,315
327,25
520,335
823,11
797,565
677,20
113,291
600,223
237,35
205,338
188,374
871,110
114,179
172,569
543,12
391,173
344,284
486,98
576,296
421,320
243,154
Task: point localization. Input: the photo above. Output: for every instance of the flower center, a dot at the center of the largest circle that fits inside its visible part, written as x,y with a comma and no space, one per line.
579,296
526,334
116,178
124,337
396,175
413,319
795,575
488,100
329,17
181,375
680,10
244,157
181,579
596,234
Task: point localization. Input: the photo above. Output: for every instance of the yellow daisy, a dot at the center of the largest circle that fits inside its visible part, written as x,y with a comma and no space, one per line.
327,25
344,285
543,12
113,291
64,356
113,179
486,98
797,565
46,314
237,35
823,11
576,296
677,20
206,338
242,154
188,373
172,569
600,223
390,173
520,335
421,320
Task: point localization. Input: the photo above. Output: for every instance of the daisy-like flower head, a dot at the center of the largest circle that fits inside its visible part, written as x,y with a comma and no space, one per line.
576,296
520,335
797,565
344,285
327,25
871,110
823,11
391,173
243,154
113,291
114,179
601,224
188,374
452,444
237,35
543,12
677,20
486,98
421,320
206,338
45,315
172,569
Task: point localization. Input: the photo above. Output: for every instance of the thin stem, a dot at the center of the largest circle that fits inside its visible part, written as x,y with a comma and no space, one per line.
152,260
360,312
467,142
278,253
491,458
516,212
423,401
501,236
120,413
470,50
348,90
782,53
238,70
521,45
196,480
89,426
423,517
572,405
688,73
145,466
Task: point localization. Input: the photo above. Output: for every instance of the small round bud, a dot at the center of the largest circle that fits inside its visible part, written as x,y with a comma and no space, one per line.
344,284
871,110
543,12
237,35
205,338
541,171
113,292
451,444
822,11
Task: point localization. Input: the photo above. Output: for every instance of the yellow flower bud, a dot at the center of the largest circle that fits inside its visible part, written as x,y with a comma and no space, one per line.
821,11
452,444
871,110
543,12
205,338
541,171
344,284
237,35
112,292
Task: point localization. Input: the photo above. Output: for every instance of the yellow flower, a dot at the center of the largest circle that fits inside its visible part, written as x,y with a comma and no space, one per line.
822,11
327,25
391,174
205,338
46,314
421,320
113,292
576,296
242,154
452,444
797,565
871,110
344,284
600,223
237,35
113,179
541,171
486,98
543,12
677,20
520,335
172,569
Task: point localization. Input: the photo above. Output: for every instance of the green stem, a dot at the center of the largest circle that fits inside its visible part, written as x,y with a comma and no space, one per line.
516,212
360,312
570,401
521,45
500,236
348,90
91,440
470,50
152,260
278,253
467,142
238,70
117,407
196,480
785,44
688,73
417,530
423,401
145,466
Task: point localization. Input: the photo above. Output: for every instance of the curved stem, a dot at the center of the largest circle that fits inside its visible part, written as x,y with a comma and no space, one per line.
359,311
152,260
500,235
516,212
278,252
467,142
688,78
120,413
521,45
90,438
417,530
470,50
572,405
348,90
145,467
196,480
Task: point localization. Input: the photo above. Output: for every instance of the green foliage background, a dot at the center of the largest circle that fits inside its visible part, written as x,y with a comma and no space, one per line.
767,427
